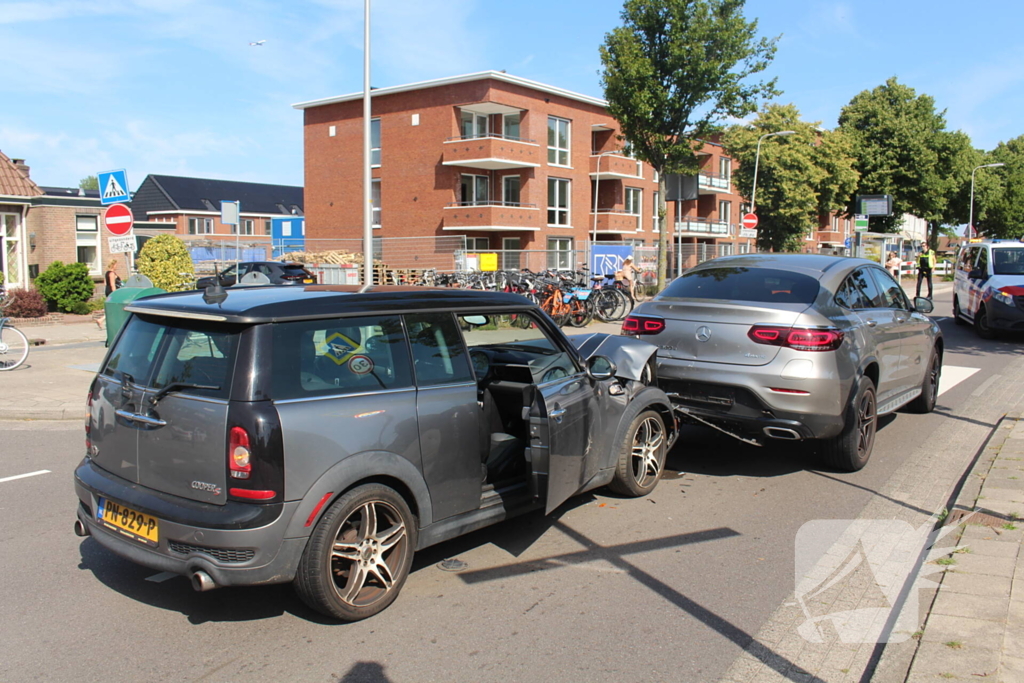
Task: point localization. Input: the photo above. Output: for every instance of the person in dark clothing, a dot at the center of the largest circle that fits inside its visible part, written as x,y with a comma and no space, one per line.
111,279
925,266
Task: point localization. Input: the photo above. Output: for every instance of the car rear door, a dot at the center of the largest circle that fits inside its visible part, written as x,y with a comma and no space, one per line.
915,342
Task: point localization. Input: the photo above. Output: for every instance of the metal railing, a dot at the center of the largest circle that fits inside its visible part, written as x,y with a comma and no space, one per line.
490,202
703,225
713,180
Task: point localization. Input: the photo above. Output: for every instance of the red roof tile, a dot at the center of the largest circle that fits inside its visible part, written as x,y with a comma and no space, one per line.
13,182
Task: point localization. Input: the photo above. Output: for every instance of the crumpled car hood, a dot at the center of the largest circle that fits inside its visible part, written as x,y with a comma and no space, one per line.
629,355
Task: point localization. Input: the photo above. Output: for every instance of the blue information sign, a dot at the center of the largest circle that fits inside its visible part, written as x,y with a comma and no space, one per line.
605,260
113,187
287,234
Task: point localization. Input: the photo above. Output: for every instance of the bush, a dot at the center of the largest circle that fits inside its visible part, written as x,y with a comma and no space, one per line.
25,303
63,286
165,260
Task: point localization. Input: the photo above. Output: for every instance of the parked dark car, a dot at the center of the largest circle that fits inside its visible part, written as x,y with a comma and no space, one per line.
323,435
793,347
278,274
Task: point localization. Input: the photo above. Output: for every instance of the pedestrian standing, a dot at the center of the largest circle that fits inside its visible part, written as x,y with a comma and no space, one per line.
893,265
925,266
111,282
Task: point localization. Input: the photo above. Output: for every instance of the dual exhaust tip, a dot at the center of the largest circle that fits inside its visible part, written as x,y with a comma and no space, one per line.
784,433
201,581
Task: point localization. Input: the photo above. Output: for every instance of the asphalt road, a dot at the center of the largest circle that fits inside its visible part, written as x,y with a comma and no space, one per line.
669,587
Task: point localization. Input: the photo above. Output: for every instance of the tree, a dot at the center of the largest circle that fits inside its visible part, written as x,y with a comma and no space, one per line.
800,177
166,262
672,72
903,149
999,192
89,182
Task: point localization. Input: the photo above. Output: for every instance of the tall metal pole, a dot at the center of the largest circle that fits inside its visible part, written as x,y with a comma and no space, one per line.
757,159
367,179
970,220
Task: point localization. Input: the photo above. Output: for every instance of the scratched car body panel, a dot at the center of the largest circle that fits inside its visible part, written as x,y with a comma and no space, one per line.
240,426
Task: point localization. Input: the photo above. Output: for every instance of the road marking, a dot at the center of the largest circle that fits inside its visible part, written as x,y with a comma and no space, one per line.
953,375
980,391
161,577
22,476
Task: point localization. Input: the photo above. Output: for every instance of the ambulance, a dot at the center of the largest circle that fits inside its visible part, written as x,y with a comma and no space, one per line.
988,288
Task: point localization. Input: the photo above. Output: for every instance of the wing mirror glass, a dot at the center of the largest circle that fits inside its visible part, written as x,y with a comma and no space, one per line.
476,320
922,305
600,367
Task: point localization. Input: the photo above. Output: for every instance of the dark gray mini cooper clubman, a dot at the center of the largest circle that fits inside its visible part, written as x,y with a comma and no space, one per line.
321,435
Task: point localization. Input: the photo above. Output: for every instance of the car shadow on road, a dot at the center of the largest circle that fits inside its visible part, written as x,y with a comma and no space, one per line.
963,340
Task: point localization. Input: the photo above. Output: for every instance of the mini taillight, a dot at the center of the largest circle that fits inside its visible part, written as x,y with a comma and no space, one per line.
88,422
239,454
799,338
642,324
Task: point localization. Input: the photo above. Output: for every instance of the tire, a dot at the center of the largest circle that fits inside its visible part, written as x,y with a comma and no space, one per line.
580,313
956,312
641,456
378,562
608,304
925,403
13,348
981,326
851,449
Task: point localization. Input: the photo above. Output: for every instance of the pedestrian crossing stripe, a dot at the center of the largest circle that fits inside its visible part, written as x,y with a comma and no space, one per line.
114,188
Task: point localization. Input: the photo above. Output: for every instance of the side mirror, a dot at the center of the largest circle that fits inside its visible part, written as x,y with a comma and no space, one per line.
600,367
475,320
976,274
922,305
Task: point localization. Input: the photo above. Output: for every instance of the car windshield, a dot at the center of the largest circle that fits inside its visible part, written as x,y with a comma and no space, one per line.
737,283
1008,261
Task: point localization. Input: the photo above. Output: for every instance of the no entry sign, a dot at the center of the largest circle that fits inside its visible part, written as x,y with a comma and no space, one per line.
118,219
750,221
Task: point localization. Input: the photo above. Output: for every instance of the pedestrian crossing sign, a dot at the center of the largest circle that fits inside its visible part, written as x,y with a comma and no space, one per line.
113,187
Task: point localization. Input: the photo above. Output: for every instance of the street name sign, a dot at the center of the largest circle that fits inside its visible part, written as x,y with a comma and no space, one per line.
113,186
118,219
121,244
750,221
748,233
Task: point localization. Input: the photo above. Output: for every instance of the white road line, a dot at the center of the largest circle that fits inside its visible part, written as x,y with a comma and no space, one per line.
22,476
953,375
161,577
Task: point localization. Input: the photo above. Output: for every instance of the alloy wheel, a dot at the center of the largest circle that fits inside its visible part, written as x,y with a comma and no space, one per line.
867,423
368,553
648,441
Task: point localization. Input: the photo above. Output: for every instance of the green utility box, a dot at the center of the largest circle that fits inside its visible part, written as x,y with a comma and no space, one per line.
116,302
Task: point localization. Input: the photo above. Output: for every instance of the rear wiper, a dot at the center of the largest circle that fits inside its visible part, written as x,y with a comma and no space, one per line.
178,386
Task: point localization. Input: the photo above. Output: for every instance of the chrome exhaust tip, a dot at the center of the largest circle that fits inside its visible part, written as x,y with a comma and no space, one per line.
81,529
783,433
202,582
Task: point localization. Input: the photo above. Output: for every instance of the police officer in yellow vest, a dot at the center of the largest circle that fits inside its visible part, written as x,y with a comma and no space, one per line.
925,266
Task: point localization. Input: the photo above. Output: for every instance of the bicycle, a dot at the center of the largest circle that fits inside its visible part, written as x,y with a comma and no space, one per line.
13,342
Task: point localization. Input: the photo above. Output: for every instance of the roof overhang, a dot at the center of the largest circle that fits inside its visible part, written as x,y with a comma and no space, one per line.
489,108
453,80
489,228
602,126
611,175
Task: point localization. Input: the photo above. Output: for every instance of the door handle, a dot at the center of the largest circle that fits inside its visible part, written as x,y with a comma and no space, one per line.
557,414
871,323
136,417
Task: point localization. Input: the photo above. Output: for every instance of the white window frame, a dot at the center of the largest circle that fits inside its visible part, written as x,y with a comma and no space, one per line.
248,226
475,125
519,126
565,194
375,145
634,201
553,149
12,271
556,258
375,213
87,230
655,218
473,201
504,190
206,225
725,212
268,226
478,243
725,168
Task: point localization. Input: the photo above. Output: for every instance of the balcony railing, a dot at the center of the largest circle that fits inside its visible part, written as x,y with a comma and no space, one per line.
713,181
491,152
704,226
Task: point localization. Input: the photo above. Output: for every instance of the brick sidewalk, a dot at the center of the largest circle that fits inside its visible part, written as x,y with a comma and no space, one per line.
975,628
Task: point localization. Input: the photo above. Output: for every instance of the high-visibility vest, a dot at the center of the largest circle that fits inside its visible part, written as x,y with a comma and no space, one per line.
926,260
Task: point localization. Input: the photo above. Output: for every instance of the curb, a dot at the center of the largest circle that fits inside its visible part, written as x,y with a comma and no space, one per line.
66,413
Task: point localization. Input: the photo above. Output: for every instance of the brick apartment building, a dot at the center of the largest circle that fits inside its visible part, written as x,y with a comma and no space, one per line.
505,162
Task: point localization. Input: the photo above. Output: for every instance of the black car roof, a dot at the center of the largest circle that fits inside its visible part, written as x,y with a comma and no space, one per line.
275,304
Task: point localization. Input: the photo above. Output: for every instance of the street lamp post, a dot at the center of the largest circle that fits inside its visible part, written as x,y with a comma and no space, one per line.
367,179
757,159
970,220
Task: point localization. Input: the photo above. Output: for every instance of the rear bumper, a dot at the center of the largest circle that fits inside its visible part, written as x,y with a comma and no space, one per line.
245,545
743,400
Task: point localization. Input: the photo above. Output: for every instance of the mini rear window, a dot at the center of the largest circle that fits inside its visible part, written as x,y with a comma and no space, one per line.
294,270
759,285
155,352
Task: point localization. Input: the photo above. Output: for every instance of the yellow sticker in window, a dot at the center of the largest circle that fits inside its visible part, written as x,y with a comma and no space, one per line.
338,348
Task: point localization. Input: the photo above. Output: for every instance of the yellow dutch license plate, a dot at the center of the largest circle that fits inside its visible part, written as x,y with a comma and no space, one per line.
131,523
307,281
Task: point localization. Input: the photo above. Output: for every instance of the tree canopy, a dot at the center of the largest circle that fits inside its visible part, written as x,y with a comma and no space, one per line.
800,177
999,192
673,71
89,182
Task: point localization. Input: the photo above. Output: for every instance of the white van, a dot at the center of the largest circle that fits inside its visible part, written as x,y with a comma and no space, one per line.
988,289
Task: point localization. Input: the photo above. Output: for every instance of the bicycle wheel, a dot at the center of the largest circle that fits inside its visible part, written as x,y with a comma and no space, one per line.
580,313
13,348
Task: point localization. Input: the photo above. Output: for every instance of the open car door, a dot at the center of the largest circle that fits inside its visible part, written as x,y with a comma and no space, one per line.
560,422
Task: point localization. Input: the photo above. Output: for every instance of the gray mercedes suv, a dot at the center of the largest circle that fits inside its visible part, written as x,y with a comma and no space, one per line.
323,434
793,347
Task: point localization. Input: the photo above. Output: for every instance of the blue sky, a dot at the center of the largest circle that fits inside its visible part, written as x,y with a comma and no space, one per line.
173,87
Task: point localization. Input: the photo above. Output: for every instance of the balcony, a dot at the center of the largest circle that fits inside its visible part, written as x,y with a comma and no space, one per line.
491,153
492,217
615,167
615,221
712,183
702,227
